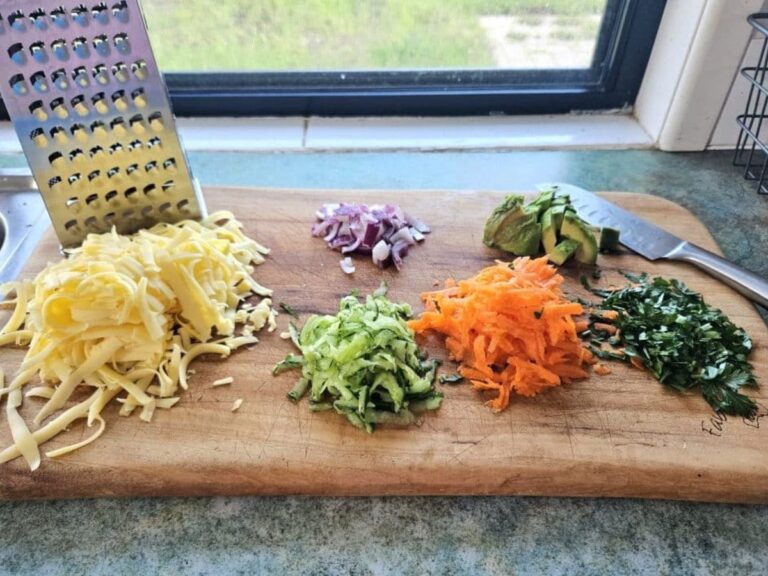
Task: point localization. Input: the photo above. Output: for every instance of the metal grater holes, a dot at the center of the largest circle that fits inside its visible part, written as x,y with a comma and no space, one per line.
79,105
16,21
59,17
81,81
16,53
38,52
100,103
101,45
18,84
118,100
118,126
59,109
100,73
80,47
38,20
100,13
60,80
56,159
80,77
80,15
37,109
121,43
60,50
120,72
39,82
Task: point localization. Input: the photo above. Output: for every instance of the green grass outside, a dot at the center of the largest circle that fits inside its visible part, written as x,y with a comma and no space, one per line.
334,34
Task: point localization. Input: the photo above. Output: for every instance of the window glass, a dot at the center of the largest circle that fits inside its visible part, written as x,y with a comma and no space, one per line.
316,35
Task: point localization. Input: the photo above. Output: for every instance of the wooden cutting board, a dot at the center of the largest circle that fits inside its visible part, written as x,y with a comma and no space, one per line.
620,435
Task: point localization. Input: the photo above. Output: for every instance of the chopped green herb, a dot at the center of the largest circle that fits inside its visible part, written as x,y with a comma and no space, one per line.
363,362
289,363
288,309
451,378
682,341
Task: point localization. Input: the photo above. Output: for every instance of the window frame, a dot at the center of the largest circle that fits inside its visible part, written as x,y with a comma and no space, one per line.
622,51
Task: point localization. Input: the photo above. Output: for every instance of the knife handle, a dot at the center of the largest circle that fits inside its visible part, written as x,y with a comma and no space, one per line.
748,283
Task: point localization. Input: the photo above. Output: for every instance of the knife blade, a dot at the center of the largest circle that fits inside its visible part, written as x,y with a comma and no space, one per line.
637,234
654,243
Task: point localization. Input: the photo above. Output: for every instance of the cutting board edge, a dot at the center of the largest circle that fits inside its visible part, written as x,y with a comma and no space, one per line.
656,481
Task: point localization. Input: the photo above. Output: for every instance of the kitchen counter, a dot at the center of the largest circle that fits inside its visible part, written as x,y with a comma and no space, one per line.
479,535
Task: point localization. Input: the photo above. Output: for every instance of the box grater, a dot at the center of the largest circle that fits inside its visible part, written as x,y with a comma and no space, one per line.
91,110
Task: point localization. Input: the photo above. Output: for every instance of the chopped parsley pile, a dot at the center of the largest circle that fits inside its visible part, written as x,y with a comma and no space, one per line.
363,362
685,343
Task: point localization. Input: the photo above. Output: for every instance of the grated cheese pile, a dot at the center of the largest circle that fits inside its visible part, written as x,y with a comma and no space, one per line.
122,317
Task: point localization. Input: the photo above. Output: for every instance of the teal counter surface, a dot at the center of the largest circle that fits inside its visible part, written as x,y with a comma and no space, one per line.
457,535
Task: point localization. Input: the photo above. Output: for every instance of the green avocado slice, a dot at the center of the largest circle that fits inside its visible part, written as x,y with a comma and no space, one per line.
609,239
564,250
513,227
575,229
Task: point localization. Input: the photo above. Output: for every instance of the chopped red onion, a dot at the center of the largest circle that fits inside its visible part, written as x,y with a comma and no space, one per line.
347,265
380,253
383,230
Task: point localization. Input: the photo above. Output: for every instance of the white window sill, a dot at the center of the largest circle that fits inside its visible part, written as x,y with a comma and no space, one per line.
589,131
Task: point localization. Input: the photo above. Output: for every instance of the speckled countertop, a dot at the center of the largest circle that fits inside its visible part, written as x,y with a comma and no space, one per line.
480,535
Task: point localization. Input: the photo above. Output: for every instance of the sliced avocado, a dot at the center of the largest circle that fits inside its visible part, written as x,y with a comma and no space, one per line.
513,227
557,215
549,229
609,240
575,229
564,250
505,212
542,202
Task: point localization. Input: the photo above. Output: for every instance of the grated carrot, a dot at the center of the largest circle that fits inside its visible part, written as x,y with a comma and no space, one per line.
601,369
510,327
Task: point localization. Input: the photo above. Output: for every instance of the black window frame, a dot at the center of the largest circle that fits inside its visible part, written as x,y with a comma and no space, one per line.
624,45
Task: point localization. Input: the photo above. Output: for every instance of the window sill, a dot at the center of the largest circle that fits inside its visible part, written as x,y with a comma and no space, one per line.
296,134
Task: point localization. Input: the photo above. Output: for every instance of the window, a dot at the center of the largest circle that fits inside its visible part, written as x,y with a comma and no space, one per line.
401,57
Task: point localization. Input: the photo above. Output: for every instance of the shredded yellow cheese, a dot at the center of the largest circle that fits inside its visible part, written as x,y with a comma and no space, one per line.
223,381
123,317
237,404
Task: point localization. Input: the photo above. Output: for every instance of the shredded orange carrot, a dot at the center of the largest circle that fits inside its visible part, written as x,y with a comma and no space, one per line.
602,326
510,327
637,363
610,314
601,369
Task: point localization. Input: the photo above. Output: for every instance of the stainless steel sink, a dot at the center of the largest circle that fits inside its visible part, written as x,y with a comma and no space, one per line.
23,221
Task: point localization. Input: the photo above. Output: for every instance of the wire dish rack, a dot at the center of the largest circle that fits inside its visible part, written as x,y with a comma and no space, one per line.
752,145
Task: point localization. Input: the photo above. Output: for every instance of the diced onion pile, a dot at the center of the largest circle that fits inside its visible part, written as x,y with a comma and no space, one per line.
122,317
385,232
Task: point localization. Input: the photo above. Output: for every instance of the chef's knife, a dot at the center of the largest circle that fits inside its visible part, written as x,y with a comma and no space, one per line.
654,243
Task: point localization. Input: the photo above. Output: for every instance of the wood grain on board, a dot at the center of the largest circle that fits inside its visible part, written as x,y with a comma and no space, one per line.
620,435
